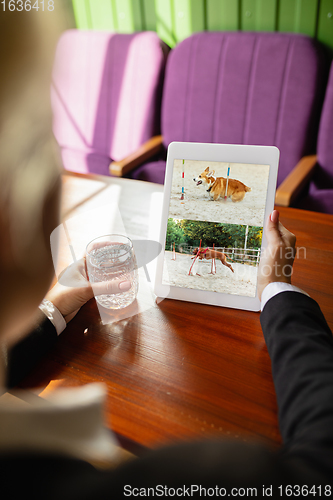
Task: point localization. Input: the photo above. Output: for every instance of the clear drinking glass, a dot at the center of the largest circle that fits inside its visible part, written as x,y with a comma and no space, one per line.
110,258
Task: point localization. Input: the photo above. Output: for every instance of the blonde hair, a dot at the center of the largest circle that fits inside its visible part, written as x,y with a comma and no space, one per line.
29,162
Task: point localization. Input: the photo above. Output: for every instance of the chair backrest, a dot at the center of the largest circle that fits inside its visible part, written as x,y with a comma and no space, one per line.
246,88
325,136
106,91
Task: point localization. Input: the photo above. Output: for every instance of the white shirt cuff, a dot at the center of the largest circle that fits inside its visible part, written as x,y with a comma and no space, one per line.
54,315
274,288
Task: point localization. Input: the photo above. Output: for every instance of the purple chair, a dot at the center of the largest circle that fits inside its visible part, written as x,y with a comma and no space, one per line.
242,88
320,192
106,94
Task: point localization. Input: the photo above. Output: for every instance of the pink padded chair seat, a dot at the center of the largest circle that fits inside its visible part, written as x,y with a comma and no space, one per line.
244,88
320,195
106,93
152,172
325,137
78,161
318,200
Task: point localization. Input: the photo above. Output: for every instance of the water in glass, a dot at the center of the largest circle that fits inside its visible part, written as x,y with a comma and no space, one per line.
114,261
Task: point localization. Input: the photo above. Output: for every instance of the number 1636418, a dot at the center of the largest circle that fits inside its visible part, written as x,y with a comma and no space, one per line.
27,5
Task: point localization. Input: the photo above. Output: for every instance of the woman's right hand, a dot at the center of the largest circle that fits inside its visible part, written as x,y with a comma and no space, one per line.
277,260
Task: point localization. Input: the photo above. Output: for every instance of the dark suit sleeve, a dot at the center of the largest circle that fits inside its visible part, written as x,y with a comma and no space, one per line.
300,345
22,357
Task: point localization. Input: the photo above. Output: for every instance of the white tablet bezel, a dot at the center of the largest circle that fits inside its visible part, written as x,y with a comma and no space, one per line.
264,155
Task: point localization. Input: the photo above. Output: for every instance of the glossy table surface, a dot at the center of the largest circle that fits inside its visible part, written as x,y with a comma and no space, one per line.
173,370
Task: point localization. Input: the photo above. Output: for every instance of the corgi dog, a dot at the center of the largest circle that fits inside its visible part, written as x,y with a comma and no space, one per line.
216,186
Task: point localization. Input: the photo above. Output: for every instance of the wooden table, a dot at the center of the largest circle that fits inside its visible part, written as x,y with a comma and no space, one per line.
176,370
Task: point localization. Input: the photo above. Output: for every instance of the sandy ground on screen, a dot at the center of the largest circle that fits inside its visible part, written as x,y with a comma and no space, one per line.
242,282
198,206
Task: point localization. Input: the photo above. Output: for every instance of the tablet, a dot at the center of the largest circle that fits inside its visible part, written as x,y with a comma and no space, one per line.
216,199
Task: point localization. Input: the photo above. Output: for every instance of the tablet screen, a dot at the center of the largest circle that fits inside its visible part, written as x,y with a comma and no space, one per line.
215,225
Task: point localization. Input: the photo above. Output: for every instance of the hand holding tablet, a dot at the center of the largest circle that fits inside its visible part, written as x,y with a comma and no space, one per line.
216,199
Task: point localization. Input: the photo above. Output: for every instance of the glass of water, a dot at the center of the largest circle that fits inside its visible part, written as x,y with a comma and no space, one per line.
111,258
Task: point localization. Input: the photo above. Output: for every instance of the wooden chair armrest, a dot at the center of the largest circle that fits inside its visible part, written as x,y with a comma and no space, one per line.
288,191
143,153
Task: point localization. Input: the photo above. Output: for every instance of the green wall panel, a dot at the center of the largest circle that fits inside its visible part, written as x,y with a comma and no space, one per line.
325,23
178,19
103,15
128,14
267,15
248,15
259,15
306,17
175,20
298,16
148,15
223,15
189,17
268,18
287,13
164,21
82,14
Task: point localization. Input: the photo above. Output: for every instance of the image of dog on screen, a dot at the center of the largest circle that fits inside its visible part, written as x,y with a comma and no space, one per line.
218,191
209,254
217,187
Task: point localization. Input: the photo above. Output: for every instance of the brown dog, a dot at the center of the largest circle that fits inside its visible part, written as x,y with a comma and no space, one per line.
209,253
216,186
